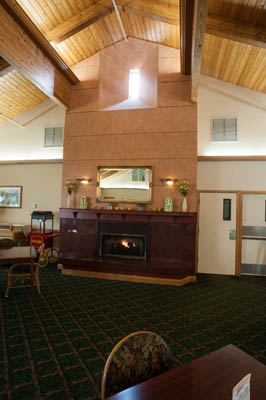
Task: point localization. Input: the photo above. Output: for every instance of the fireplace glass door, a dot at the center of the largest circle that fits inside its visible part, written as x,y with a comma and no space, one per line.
123,246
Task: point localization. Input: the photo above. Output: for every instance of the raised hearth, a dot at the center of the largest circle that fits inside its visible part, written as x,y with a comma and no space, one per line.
165,249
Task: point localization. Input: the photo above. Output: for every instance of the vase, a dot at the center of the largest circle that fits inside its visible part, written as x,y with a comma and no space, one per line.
69,205
184,205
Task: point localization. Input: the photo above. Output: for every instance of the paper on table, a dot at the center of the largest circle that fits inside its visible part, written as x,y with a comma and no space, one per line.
242,390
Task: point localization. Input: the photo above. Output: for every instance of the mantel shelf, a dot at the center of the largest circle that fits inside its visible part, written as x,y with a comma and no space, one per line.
130,212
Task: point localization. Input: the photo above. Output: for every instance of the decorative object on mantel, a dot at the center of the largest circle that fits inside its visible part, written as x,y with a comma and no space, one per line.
183,188
140,207
109,206
168,181
168,205
83,202
70,187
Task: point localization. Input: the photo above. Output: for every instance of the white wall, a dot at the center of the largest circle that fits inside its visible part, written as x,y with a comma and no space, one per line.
41,185
232,175
254,210
220,99
41,182
28,143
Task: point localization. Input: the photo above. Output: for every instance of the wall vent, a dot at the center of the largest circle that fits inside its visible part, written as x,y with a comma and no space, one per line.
53,137
224,129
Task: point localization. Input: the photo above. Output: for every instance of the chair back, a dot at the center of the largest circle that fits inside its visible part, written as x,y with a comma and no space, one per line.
7,243
136,358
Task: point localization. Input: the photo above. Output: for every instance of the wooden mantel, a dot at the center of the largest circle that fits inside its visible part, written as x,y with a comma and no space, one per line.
171,243
124,213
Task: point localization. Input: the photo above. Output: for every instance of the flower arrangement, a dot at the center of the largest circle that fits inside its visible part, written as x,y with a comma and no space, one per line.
183,187
70,186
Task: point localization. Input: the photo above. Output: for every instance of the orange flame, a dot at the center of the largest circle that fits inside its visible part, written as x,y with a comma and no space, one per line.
125,243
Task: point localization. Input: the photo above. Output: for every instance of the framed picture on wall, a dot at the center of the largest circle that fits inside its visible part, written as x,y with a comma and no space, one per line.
10,196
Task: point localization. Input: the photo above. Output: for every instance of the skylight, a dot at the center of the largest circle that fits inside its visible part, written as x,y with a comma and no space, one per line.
133,92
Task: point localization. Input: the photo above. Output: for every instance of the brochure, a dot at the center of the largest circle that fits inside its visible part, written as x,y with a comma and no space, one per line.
242,390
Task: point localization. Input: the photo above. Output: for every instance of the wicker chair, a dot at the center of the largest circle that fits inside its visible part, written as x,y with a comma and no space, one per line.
136,358
6,243
19,274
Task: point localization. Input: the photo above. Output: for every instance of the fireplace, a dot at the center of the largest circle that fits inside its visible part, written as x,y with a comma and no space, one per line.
123,240
166,244
123,246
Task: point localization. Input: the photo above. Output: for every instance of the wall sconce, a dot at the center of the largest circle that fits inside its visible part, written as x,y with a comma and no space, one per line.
84,181
169,181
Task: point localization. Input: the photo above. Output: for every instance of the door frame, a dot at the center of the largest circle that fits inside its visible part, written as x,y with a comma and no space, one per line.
243,192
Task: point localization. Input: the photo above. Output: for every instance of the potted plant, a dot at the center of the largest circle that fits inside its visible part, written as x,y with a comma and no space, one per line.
183,188
70,186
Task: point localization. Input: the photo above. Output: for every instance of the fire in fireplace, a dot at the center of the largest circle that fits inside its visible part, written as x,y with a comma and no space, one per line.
123,246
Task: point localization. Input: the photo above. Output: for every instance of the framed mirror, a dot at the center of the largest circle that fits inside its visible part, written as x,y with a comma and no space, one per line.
124,184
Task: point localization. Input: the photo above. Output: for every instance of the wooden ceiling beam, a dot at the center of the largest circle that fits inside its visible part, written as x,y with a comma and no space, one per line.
25,23
80,21
154,9
186,25
5,67
18,46
231,29
199,24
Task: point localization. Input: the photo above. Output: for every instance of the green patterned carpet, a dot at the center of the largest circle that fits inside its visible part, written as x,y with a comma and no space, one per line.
57,347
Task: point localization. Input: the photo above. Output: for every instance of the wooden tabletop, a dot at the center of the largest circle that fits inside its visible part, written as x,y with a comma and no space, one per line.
18,254
211,377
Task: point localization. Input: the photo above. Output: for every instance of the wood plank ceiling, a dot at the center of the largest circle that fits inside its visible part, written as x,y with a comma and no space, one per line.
234,44
61,23
17,95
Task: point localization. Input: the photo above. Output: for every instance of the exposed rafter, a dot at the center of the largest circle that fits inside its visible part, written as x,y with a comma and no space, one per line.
5,67
235,30
80,21
25,23
186,24
23,51
199,23
154,9
120,21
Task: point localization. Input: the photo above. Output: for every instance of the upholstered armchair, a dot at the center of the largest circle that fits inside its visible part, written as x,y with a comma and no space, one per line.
136,358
